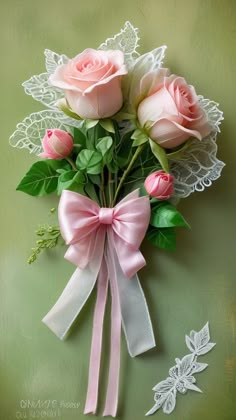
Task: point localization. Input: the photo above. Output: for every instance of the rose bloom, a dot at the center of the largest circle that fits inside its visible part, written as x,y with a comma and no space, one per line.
160,185
56,144
172,113
92,82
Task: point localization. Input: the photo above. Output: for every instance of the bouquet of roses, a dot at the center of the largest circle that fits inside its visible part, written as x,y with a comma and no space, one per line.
122,141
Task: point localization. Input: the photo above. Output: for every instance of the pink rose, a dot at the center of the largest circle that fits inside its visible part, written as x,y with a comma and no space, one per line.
172,113
160,185
92,82
57,144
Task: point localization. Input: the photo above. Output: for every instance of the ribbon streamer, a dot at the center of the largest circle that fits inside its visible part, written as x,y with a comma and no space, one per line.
104,244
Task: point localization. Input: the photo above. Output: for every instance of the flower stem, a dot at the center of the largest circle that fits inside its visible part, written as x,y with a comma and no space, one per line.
110,187
72,163
126,172
102,197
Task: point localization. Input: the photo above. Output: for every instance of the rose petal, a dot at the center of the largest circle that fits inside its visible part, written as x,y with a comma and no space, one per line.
99,102
157,106
170,134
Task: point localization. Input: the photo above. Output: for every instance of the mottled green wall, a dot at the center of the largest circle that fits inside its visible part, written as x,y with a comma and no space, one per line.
184,289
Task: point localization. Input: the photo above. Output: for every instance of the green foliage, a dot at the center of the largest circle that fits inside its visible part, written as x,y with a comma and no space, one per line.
93,134
71,180
145,164
42,177
90,190
164,238
108,125
103,146
165,215
79,137
139,137
160,154
64,107
102,164
48,237
90,123
124,151
89,161
164,219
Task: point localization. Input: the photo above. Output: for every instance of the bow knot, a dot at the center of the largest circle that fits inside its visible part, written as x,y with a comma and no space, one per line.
106,215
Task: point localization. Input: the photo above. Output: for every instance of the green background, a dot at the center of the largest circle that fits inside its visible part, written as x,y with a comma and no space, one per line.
183,289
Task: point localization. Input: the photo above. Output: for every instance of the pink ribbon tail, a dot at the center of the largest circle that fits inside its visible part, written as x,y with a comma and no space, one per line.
96,346
114,368
104,244
107,270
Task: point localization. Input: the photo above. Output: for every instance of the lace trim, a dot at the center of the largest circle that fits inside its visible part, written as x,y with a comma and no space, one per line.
214,115
127,40
196,167
39,88
134,90
31,130
181,377
38,85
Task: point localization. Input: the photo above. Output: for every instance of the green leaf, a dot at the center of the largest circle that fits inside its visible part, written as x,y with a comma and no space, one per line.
95,133
136,134
120,116
89,161
61,166
90,123
160,154
70,180
41,179
65,180
104,144
139,138
63,106
163,238
112,165
164,215
107,125
79,137
95,179
91,192
124,151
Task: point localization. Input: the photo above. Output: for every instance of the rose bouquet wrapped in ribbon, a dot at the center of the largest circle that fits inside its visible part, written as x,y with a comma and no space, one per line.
121,142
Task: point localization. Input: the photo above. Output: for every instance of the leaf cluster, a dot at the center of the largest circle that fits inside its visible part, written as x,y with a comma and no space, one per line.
81,172
164,219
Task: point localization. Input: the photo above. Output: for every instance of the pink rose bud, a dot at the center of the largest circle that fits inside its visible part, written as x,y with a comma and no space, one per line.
57,144
160,185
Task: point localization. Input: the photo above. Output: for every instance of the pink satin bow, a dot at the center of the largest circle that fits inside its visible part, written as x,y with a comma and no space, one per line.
83,224
104,238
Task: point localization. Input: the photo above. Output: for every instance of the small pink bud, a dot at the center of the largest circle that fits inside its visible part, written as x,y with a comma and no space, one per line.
160,185
56,144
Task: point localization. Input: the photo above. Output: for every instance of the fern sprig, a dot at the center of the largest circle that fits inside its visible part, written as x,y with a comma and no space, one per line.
48,238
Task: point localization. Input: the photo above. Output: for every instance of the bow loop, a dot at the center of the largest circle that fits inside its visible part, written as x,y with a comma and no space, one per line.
131,219
78,216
